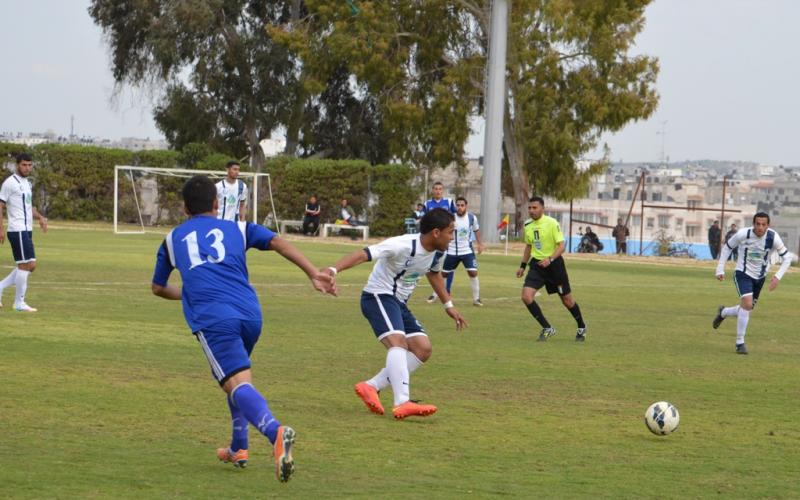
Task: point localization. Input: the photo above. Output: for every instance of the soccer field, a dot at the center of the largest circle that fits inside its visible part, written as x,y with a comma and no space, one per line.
107,395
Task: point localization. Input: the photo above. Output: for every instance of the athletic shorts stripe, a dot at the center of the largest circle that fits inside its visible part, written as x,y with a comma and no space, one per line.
212,361
387,316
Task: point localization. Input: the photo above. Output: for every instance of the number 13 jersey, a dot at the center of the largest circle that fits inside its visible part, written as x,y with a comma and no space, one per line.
210,256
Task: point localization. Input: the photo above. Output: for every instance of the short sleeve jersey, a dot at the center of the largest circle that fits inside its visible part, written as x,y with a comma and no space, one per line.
17,194
754,252
229,197
445,203
465,228
210,255
400,262
543,235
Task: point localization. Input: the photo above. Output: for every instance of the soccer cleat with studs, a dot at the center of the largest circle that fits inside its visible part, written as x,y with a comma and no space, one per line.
546,333
369,395
431,298
237,458
413,409
477,303
282,452
580,334
741,348
718,318
23,307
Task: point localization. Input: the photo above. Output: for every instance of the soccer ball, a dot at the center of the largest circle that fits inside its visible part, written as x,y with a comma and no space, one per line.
661,418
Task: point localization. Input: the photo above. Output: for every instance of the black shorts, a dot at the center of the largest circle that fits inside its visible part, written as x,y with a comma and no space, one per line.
22,246
553,277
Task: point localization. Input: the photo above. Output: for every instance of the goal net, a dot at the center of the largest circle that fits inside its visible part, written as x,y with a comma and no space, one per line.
146,197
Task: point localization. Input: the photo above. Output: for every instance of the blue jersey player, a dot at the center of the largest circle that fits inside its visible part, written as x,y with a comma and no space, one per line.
223,311
439,201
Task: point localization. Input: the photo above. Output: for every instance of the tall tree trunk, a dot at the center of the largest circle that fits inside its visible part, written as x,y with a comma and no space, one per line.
519,177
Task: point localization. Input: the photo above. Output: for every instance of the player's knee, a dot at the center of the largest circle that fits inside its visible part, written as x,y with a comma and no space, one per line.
473,274
567,300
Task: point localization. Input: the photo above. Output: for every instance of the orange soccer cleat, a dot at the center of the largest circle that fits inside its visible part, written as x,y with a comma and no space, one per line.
282,451
369,395
237,458
410,409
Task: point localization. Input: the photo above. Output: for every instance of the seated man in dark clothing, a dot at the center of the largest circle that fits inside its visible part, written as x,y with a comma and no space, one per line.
590,243
311,217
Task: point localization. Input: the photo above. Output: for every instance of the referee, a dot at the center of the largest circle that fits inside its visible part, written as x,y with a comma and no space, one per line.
544,244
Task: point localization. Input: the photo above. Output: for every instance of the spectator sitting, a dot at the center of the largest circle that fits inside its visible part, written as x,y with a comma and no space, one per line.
419,212
590,243
311,216
348,216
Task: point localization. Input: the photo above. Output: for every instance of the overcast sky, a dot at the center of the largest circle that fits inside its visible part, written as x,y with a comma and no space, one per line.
728,82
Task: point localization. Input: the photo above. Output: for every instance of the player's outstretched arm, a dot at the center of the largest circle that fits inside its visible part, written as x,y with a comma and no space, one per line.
350,260
322,281
169,292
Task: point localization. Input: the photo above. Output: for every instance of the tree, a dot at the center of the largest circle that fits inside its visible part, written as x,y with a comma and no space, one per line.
569,77
215,59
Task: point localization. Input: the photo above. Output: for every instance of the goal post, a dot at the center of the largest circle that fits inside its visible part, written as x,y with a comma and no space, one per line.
149,196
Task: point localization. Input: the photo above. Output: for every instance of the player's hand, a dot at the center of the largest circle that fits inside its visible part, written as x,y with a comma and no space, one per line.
481,247
43,224
2,236
324,282
520,272
773,283
461,323
544,262
721,277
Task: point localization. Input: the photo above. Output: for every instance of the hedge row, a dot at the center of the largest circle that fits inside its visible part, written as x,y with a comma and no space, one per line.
77,183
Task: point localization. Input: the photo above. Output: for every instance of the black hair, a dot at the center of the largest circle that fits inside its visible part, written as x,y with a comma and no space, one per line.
438,183
461,198
23,157
761,215
199,193
232,163
438,218
537,199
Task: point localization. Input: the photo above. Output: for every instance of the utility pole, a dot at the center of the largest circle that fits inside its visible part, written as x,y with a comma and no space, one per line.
495,109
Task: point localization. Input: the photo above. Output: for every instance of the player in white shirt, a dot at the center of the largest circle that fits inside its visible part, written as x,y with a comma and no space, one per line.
400,262
232,195
461,250
16,196
755,245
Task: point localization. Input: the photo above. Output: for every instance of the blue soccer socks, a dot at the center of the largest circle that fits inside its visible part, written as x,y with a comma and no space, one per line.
255,409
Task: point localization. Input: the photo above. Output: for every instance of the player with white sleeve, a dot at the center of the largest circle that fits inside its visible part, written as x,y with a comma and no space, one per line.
462,251
400,262
16,196
232,195
755,245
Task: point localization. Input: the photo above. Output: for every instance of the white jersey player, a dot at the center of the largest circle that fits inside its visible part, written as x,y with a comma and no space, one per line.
399,264
232,195
461,249
16,196
755,244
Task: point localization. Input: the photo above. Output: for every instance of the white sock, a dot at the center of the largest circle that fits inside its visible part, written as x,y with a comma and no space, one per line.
8,280
397,368
730,311
741,325
21,282
476,288
381,380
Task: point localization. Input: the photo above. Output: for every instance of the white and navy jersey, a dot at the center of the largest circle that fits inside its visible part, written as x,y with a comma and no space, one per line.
399,264
754,253
465,228
445,203
229,197
210,255
16,193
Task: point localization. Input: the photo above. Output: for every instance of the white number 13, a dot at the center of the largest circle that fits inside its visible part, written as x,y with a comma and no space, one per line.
194,249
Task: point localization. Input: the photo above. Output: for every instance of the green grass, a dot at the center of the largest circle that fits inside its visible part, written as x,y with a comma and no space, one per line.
106,394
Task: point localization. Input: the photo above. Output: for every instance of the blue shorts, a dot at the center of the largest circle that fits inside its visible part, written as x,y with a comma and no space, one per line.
387,315
227,346
451,262
747,285
22,246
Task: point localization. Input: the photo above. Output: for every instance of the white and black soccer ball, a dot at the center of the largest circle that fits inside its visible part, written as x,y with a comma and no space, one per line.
662,418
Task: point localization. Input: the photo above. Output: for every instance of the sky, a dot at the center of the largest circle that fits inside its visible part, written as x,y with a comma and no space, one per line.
728,81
